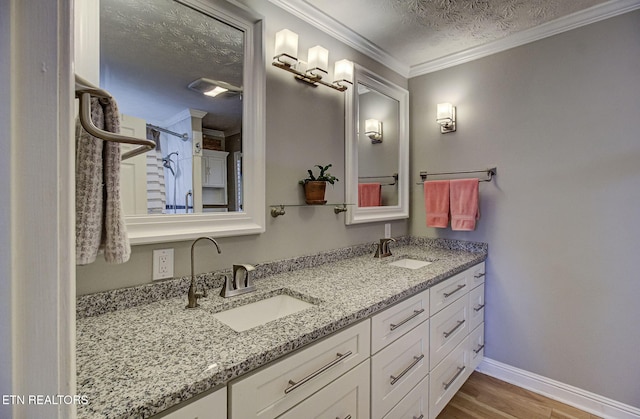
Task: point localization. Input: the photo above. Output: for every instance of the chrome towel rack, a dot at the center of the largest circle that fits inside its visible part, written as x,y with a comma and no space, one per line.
84,91
394,176
490,172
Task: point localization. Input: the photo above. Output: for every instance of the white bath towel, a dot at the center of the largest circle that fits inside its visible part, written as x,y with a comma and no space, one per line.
99,219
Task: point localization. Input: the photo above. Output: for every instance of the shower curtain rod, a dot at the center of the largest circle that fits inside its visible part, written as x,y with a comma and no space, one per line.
183,137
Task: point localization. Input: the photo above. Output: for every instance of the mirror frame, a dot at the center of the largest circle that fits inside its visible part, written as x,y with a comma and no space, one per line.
355,214
144,229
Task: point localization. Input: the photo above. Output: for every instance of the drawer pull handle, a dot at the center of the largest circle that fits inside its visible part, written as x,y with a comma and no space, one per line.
416,313
481,347
449,294
450,332
447,385
294,385
416,359
419,417
480,307
480,275
346,417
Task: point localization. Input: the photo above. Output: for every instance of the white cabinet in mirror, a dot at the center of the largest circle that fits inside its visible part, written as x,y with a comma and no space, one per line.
160,59
377,149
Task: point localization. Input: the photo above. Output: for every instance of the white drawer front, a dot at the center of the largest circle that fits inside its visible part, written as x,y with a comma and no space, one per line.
476,346
398,368
213,406
346,397
448,328
448,291
268,392
447,378
476,307
477,275
395,321
414,405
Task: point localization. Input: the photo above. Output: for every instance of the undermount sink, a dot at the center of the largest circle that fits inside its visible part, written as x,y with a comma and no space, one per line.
410,263
261,312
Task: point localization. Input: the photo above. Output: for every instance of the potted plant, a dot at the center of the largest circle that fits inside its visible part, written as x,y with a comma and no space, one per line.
314,186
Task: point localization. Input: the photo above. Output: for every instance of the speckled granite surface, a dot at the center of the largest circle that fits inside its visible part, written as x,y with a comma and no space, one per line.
138,361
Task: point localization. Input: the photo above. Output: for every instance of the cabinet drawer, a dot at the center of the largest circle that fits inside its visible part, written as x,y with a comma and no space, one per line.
476,346
476,307
213,406
447,378
395,321
448,291
448,328
414,405
477,275
348,396
269,392
396,369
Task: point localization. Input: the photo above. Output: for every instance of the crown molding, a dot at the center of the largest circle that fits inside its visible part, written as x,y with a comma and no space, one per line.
313,16
330,26
554,27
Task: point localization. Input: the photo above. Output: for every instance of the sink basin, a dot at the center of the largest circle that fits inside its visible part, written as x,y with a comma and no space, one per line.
410,263
261,312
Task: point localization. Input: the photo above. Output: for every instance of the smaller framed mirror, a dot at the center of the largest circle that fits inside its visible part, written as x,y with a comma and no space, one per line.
377,149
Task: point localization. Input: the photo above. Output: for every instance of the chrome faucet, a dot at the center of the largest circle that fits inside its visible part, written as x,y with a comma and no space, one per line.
193,295
240,283
383,250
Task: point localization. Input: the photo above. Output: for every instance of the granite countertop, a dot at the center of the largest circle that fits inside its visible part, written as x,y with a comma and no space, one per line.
139,361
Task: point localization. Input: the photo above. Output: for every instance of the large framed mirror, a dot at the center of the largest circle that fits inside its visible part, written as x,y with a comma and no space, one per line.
188,74
377,149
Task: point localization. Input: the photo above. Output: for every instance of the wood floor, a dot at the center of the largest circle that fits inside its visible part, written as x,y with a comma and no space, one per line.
484,397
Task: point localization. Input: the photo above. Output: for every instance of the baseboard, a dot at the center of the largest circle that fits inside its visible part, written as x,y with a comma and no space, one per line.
573,396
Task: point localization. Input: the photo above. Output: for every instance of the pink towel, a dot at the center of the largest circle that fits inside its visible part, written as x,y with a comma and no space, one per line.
464,204
436,203
369,194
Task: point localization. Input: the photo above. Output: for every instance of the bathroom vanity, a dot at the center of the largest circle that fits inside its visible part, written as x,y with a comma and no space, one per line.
378,339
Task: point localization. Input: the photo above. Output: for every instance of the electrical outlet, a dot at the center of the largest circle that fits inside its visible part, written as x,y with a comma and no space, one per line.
162,264
387,230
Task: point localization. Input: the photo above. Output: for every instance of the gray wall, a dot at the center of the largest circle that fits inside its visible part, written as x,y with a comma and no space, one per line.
305,126
561,120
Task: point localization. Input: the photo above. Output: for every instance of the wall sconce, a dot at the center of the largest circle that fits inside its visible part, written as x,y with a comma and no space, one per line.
446,117
316,69
212,87
373,130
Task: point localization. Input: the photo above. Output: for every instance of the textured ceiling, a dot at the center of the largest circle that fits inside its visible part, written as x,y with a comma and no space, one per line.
151,50
419,32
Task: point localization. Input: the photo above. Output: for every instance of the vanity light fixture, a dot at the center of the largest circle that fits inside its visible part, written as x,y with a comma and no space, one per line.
212,87
315,71
446,117
373,130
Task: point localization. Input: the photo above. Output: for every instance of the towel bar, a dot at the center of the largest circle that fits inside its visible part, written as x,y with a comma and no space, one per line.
84,91
491,172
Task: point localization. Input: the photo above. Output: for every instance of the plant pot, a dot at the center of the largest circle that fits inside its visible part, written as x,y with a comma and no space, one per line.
314,192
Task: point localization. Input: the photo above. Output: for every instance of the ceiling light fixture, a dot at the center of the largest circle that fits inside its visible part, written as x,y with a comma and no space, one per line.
313,72
212,88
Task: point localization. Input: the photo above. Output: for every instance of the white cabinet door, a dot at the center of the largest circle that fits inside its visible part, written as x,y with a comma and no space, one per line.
390,324
346,397
133,171
396,369
448,328
448,291
214,168
447,378
415,405
476,307
476,346
213,406
271,391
